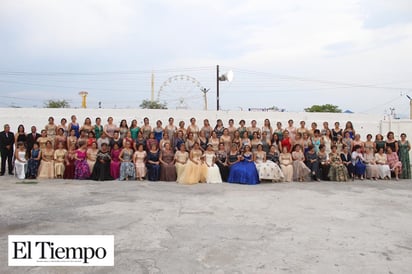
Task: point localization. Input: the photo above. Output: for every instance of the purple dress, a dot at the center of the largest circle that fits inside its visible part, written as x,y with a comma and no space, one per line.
82,170
115,164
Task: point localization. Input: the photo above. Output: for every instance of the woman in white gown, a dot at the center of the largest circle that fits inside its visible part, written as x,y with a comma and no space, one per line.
382,163
213,173
267,170
20,162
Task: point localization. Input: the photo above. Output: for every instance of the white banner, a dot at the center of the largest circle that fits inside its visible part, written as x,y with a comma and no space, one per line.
61,250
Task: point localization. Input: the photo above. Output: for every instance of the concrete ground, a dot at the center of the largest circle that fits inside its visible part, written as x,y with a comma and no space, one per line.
160,227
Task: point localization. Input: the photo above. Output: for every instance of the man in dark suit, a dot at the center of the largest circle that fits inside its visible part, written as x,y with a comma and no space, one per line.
6,149
32,138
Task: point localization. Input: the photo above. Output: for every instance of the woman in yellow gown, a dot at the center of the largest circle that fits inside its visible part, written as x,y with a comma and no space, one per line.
46,169
59,157
195,170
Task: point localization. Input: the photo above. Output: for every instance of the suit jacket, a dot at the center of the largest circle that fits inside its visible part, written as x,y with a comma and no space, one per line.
30,140
6,141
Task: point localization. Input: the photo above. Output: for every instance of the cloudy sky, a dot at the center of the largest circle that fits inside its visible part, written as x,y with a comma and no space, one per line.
290,54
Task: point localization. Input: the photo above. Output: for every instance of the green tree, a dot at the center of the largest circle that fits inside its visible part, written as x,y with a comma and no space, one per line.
324,108
57,104
147,104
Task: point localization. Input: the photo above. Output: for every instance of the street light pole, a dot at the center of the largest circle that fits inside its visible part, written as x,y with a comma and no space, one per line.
217,87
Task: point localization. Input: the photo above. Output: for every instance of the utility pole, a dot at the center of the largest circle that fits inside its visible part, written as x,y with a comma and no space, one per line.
217,87
152,84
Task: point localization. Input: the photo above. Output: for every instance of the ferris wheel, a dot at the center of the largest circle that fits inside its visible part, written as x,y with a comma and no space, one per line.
182,92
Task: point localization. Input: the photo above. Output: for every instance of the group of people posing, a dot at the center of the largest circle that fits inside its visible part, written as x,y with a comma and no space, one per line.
195,154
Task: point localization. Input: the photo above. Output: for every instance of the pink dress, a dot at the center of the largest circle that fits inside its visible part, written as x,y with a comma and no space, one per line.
140,164
115,164
393,161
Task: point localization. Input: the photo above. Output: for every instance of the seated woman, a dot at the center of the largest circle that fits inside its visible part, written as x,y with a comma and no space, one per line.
59,158
139,159
221,161
337,171
358,162
233,157
195,170
286,164
181,158
127,170
101,169
382,163
372,170
346,158
167,163
311,160
300,170
20,162
267,170
213,173
324,163
33,162
69,163
393,161
82,170
46,169
115,163
153,163
91,155
244,172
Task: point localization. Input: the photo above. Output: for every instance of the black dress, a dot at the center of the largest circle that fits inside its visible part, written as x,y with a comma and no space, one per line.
313,166
224,169
153,170
101,169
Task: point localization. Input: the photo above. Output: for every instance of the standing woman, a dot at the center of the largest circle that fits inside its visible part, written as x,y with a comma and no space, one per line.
278,131
101,170
221,161
404,148
286,141
134,129
179,140
393,161
369,144
255,142
219,128
110,128
63,125
151,141
190,141
42,140
165,140
153,163
391,142
72,140
242,128
379,143
316,140
70,166
203,141
123,128
33,162
214,141
226,139
237,139
92,155
267,128
171,130
291,130
358,141
300,170
327,141
231,128
127,169
206,129
82,170
60,138
129,139
87,126
59,158
349,128
158,131
213,173
193,128
98,128
245,141
348,142
265,142
336,132
195,170
146,128
51,129
20,136
167,164
46,169
139,141
20,162
91,139
73,125
181,157
252,129
358,162
276,142
115,163
139,159
183,129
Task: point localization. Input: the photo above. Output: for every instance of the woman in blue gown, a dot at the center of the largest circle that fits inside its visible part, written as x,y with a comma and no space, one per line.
244,172
153,163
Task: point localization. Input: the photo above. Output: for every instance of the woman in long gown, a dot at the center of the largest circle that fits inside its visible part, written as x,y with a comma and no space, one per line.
181,158
46,169
101,169
115,163
139,159
69,163
358,162
324,163
153,163
213,173
244,172
82,170
267,170
404,148
33,162
221,161
59,158
92,155
372,170
195,170
167,164
382,163
286,164
127,169
226,139
20,162
300,170
346,158
337,171
158,131
393,161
